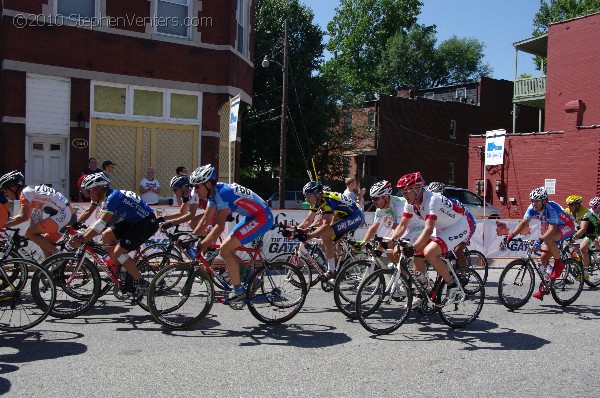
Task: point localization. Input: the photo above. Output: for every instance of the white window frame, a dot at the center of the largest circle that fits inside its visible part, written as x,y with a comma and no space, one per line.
244,6
461,90
430,95
76,21
371,123
189,5
128,115
453,129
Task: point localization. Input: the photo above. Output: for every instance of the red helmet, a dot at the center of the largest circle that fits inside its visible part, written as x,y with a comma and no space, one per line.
81,180
411,180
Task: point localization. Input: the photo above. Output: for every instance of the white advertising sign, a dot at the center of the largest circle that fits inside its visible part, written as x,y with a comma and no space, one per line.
234,106
494,147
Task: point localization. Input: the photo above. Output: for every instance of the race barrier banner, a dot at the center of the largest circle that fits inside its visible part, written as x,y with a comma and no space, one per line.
487,238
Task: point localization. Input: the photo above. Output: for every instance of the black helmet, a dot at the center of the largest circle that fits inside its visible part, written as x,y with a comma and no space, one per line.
13,178
312,187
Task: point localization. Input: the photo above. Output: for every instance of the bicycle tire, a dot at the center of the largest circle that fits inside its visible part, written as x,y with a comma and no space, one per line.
593,280
477,262
150,266
462,313
272,297
568,286
347,283
180,296
376,308
516,284
19,307
75,294
301,264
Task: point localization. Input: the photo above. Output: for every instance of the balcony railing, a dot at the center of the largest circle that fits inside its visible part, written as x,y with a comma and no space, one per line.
534,88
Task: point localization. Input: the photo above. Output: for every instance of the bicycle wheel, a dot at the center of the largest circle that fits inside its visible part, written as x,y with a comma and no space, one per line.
346,285
593,272
464,311
77,284
106,283
380,307
151,265
180,296
516,284
478,263
301,264
568,286
273,296
19,298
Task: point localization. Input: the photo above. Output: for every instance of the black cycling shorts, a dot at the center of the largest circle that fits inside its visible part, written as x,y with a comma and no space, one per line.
132,236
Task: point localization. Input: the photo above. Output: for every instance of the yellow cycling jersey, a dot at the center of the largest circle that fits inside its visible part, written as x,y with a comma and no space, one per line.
579,215
337,204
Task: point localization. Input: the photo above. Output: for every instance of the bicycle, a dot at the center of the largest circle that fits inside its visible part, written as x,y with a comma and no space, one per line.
477,261
19,296
182,294
569,248
385,297
517,280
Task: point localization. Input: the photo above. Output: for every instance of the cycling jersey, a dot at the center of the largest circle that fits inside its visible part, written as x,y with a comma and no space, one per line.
553,214
258,218
338,205
593,228
126,206
391,216
47,201
577,216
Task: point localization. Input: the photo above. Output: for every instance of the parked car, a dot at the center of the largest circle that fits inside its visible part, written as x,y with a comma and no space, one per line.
473,202
293,200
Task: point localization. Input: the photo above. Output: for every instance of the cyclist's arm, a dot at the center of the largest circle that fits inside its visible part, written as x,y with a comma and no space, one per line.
401,228
183,210
205,221
423,239
182,217
310,217
88,212
371,232
520,226
24,215
582,228
90,233
214,233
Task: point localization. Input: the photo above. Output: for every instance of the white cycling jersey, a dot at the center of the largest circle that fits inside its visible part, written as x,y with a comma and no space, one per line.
46,201
437,207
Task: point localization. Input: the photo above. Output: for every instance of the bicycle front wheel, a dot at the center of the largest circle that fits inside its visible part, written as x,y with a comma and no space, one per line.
180,296
22,304
300,263
568,286
382,307
77,284
478,263
467,308
349,278
151,265
516,284
276,292
593,279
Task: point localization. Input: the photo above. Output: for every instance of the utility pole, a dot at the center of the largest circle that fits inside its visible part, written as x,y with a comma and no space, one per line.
282,143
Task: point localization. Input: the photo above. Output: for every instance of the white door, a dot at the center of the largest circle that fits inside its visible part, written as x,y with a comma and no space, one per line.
47,163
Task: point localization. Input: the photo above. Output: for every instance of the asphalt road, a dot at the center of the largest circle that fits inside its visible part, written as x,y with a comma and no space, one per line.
541,350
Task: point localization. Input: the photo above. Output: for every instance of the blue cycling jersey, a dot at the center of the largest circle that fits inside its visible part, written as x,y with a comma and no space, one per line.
125,205
553,213
238,199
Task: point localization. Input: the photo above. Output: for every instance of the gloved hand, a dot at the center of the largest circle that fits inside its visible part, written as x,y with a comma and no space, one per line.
166,225
286,233
160,220
538,245
507,238
408,251
302,236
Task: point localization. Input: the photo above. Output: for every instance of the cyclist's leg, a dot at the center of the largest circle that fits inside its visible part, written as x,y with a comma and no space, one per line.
131,240
338,229
585,255
40,233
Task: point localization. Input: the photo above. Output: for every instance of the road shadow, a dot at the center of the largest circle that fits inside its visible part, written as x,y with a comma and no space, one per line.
5,384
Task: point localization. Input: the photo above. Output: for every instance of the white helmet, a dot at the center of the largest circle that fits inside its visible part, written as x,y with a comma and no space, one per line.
381,188
538,194
436,187
203,174
12,178
95,180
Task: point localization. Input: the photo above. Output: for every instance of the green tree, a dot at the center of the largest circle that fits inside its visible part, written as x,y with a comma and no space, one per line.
462,60
358,33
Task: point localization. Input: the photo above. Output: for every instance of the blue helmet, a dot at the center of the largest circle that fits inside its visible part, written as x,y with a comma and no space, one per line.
178,181
312,187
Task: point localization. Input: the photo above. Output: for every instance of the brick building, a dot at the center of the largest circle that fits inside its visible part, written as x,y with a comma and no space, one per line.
138,82
428,130
566,155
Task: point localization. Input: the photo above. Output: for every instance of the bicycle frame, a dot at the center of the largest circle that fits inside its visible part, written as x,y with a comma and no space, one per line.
529,261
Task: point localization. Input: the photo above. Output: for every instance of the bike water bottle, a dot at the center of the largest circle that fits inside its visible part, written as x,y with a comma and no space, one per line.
123,276
542,268
192,251
112,266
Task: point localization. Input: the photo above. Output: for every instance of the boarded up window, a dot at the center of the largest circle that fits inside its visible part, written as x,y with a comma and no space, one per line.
147,103
184,106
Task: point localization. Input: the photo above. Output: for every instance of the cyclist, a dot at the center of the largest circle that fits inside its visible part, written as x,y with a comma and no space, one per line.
190,204
86,194
560,226
348,217
137,223
180,186
446,226
36,202
589,230
575,209
222,198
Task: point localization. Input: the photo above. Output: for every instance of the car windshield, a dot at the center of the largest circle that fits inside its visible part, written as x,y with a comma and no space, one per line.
472,199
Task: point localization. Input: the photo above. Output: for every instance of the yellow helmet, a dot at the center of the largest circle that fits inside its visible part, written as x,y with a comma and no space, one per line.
573,199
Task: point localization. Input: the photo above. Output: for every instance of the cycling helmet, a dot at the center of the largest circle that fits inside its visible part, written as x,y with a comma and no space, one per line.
595,201
312,187
538,194
411,180
381,188
436,187
80,180
95,180
326,188
178,181
573,199
13,178
203,174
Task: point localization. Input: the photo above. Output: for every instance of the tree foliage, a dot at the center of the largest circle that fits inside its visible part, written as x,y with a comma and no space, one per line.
560,10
